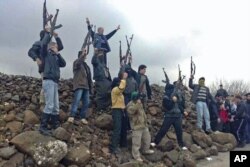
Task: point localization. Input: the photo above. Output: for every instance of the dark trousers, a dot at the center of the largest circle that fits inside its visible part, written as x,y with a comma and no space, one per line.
168,121
224,127
248,131
240,127
118,135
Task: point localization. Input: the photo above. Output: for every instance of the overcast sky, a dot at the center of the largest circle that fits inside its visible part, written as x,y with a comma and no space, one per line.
166,33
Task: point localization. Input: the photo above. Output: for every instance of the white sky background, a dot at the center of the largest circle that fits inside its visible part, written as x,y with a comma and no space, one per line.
166,33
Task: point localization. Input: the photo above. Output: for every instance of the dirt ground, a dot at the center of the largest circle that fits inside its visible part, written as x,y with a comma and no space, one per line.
222,160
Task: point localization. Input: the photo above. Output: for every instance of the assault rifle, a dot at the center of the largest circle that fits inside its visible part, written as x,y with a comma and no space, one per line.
166,77
87,42
193,67
128,52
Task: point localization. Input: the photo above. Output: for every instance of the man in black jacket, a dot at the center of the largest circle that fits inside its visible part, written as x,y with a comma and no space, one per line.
240,121
144,86
35,55
51,74
173,107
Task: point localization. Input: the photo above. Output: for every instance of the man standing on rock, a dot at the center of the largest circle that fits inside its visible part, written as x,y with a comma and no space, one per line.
143,84
173,107
82,85
201,97
34,53
140,132
51,74
118,106
248,119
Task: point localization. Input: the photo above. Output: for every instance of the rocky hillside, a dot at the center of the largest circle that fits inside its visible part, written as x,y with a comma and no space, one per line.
78,145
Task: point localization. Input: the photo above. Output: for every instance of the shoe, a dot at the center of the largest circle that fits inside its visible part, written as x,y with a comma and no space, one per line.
184,148
209,131
84,121
152,144
71,119
55,121
149,152
139,160
241,145
44,125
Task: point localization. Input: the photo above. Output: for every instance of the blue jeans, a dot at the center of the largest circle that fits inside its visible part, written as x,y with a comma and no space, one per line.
202,111
80,94
51,97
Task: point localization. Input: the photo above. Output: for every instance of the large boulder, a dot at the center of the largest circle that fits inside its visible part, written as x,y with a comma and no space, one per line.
187,138
27,141
78,156
223,138
220,147
173,155
49,154
202,139
156,157
30,117
212,150
166,145
188,160
104,121
200,154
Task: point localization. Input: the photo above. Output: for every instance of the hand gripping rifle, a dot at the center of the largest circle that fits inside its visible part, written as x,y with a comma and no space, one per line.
193,67
166,77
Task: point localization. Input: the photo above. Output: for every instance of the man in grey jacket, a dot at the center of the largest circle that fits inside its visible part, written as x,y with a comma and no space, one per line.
51,74
201,97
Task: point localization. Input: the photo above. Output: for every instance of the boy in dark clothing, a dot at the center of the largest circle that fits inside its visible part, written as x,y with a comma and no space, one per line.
174,109
52,62
100,41
143,85
240,121
34,53
82,85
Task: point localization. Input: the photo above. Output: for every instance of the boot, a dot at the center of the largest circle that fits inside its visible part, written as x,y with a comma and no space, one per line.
43,126
55,122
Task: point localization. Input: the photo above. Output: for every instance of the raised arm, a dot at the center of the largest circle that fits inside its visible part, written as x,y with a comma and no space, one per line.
61,61
108,36
44,44
58,41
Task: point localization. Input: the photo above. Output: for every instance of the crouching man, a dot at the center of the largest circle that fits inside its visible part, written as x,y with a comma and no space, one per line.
138,121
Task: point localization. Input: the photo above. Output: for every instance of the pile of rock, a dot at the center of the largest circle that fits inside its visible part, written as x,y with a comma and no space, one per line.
79,145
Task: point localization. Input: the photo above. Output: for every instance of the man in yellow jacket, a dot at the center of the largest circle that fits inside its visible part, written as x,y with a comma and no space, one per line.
118,106
138,122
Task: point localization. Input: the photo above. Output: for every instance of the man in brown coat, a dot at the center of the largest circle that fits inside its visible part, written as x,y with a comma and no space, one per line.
82,85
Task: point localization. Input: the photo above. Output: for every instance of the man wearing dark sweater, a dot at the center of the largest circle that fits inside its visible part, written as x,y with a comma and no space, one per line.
51,74
248,118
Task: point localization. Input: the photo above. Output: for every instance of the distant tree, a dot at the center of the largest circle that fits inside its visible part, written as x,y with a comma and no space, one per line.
232,87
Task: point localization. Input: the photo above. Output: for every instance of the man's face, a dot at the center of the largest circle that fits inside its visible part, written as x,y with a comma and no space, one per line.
143,71
53,47
100,30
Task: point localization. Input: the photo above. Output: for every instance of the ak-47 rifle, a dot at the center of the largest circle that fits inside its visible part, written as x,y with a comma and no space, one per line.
45,13
87,42
166,77
193,67
120,54
128,52
53,23
180,76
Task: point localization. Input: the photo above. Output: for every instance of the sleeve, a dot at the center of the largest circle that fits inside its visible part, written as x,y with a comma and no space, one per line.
108,36
61,61
44,44
32,54
149,92
121,87
191,85
59,43
240,112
